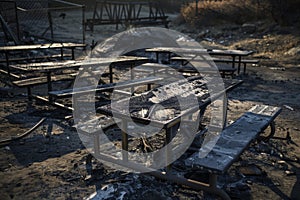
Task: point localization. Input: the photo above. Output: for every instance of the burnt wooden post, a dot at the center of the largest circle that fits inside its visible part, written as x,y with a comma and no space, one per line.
17,20
50,23
197,1
83,24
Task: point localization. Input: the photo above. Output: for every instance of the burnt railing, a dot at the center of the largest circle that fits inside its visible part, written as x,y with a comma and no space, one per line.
127,13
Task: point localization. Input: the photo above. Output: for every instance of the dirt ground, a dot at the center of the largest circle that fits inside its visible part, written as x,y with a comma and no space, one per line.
50,163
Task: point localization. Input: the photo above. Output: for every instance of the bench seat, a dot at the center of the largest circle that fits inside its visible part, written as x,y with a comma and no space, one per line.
34,58
105,87
184,61
224,69
235,139
29,82
243,61
150,22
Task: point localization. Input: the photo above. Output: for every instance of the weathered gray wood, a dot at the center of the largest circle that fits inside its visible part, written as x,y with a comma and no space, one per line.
198,51
94,63
41,46
235,139
105,87
247,61
43,80
48,57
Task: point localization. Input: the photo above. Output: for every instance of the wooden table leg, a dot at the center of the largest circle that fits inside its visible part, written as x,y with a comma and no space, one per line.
61,53
73,54
111,74
233,61
124,141
7,64
49,83
239,64
225,104
168,149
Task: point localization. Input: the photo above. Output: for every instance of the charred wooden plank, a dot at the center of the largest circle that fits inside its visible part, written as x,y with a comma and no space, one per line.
43,80
235,139
104,87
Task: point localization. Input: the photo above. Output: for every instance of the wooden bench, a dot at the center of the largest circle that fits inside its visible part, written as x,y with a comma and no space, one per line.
149,21
34,81
233,141
38,47
37,58
29,82
244,62
105,87
184,61
224,69
151,68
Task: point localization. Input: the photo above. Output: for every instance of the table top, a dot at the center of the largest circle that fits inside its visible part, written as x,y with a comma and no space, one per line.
142,108
41,46
200,51
70,64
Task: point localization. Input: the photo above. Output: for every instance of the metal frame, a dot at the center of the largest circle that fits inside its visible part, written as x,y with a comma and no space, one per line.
127,13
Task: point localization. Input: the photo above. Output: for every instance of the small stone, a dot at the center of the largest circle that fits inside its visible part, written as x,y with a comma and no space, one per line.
21,142
78,151
42,151
289,173
251,170
281,162
248,28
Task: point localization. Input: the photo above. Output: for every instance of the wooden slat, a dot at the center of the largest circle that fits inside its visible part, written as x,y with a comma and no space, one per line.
35,58
244,61
247,61
41,46
43,80
235,139
106,87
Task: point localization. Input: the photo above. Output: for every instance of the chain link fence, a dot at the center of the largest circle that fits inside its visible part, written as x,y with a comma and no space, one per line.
55,20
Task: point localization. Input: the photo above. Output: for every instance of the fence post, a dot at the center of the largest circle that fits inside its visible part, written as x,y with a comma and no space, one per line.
196,7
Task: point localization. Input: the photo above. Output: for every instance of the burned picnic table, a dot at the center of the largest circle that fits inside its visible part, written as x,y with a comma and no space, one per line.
11,51
54,70
143,108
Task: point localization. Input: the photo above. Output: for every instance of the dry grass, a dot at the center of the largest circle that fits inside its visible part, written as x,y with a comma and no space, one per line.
236,11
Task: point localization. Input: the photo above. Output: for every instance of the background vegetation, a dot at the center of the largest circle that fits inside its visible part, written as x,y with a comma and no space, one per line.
284,12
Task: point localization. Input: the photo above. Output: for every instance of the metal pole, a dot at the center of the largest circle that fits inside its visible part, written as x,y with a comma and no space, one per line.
196,7
17,21
83,24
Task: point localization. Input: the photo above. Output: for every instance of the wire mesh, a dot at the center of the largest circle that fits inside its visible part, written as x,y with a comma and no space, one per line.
9,15
54,20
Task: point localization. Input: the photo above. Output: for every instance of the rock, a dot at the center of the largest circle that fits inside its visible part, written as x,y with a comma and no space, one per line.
289,107
5,92
251,170
289,173
42,150
249,28
202,34
152,194
293,51
238,190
